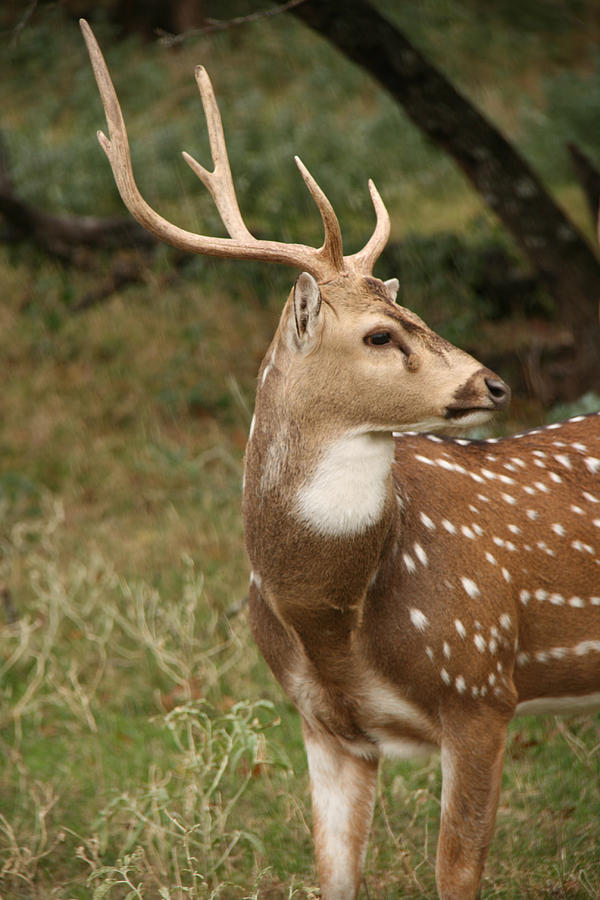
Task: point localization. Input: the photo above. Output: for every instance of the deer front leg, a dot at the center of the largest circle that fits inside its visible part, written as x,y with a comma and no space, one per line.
342,789
472,757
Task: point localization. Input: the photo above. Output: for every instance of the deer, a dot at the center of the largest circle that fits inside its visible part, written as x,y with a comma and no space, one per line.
412,591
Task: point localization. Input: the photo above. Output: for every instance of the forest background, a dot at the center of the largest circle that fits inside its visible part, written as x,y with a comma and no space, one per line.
145,750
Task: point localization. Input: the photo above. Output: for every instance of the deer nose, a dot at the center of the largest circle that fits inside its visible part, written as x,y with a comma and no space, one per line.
498,391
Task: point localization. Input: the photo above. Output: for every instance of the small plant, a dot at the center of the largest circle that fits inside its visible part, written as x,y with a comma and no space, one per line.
180,837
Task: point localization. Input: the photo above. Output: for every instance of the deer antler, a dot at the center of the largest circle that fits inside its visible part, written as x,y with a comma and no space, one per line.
324,263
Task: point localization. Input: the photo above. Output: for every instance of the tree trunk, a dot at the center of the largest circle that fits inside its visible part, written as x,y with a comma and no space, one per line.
564,262
588,177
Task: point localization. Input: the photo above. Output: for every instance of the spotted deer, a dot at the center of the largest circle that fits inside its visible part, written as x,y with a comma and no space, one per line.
409,591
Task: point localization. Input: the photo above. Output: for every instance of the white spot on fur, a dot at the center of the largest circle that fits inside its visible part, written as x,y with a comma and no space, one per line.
470,587
427,522
419,619
563,459
592,464
462,631
421,555
409,563
587,647
480,643
424,459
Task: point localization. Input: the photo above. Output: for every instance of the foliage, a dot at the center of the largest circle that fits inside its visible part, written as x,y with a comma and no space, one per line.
546,136
589,403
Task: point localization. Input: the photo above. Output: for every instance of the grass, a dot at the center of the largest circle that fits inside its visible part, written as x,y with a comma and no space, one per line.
145,750
130,770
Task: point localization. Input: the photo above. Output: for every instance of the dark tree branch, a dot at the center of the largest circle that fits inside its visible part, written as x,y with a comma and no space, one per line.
588,177
71,239
213,25
63,236
126,269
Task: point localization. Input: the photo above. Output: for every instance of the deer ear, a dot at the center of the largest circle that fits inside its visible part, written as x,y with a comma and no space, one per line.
393,286
307,307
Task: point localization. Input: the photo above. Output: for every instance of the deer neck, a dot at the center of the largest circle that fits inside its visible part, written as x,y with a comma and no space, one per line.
318,508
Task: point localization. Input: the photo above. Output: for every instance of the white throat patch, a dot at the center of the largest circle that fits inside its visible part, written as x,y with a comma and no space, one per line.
345,494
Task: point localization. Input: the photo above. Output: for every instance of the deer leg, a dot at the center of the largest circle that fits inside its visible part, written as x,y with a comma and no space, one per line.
343,795
472,760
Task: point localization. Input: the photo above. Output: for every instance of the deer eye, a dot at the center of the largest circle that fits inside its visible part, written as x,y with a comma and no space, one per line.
379,338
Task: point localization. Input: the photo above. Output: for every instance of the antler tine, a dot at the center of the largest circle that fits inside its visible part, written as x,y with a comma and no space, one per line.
116,147
365,259
332,245
241,245
218,182
325,262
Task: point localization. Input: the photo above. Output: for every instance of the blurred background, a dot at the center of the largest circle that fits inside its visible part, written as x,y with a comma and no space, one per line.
145,749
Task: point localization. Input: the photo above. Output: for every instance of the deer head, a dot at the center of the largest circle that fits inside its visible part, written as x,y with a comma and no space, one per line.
341,335
347,342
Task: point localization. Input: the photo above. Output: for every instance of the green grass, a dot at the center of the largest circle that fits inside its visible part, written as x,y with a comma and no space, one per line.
145,750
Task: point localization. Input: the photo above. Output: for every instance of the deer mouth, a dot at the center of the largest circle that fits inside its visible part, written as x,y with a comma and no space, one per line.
473,415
